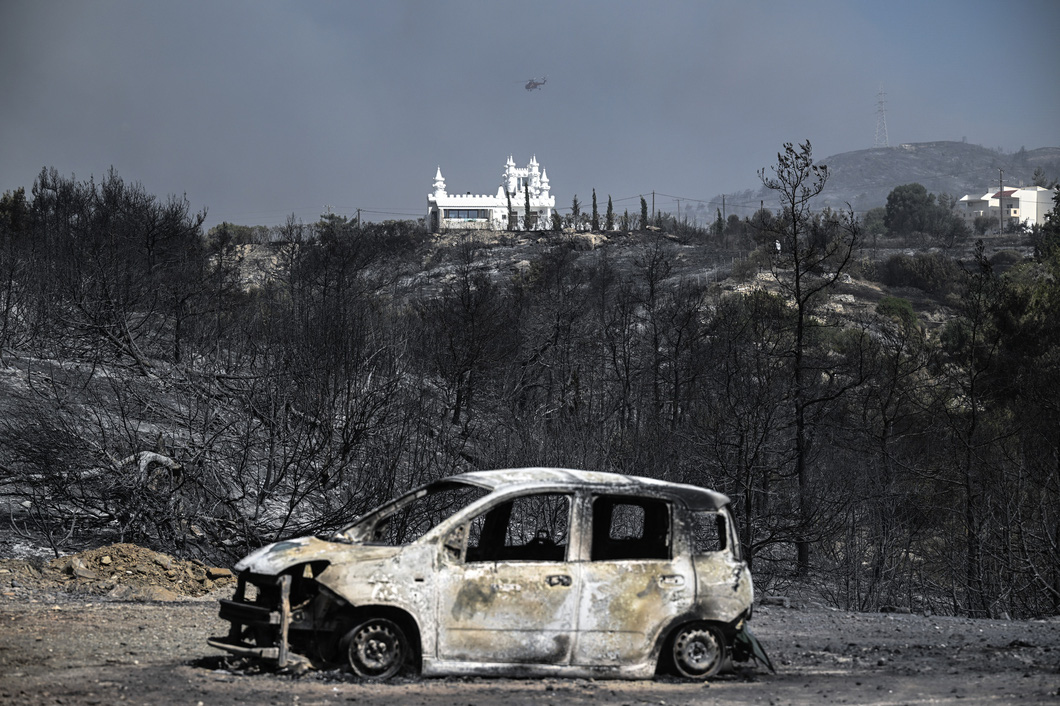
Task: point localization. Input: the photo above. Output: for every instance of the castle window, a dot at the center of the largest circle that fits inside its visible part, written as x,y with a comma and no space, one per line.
467,214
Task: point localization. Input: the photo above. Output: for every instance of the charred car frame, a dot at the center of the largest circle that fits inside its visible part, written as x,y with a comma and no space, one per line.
535,571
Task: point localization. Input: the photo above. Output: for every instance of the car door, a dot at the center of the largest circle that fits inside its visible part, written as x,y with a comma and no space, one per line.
512,597
632,582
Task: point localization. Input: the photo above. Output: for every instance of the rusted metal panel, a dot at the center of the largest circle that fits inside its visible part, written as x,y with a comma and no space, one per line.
624,605
274,558
725,590
507,612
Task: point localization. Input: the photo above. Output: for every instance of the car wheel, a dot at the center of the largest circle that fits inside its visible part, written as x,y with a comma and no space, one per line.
376,649
698,650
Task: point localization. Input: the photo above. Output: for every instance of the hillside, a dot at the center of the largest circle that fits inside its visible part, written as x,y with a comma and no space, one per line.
199,397
863,178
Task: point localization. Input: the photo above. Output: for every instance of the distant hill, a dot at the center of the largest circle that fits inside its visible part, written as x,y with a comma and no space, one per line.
864,178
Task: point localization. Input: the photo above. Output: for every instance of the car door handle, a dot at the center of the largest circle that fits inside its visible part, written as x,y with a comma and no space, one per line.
558,580
672,580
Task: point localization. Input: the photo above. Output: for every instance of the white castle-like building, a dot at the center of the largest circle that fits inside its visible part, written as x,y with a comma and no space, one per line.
447,211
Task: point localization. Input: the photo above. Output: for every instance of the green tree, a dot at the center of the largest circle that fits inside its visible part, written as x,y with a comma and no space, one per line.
643,213
528,222
982,224
610,217
575,211
909,209
1040,179
874,225
719,225
511,214
596,214
944,224
897,308
734,227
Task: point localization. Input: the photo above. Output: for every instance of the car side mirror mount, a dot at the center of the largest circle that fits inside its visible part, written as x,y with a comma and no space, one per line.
454,542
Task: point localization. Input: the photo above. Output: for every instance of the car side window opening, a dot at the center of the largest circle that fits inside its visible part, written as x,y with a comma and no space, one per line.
626,528
525,528
709,532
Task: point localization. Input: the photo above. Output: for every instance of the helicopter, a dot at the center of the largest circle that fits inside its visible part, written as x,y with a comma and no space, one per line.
534,83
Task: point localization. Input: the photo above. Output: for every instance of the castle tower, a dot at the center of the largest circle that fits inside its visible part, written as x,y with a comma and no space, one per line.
439,183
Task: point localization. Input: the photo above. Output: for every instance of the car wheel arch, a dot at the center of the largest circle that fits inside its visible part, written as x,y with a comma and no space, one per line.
662,652
355,615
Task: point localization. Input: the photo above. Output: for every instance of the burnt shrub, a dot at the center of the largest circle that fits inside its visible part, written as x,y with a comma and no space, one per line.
930,272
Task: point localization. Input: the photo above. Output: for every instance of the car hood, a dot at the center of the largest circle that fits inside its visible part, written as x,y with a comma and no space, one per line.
275,558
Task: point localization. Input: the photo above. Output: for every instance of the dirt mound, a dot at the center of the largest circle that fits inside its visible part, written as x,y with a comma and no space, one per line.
120,571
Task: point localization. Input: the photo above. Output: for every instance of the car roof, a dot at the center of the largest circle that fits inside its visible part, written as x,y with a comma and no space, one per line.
695,497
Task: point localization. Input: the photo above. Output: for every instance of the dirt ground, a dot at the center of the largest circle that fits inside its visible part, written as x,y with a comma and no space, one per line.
81,630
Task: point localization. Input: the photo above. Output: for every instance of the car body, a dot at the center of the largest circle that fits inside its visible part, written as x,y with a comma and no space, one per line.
518,572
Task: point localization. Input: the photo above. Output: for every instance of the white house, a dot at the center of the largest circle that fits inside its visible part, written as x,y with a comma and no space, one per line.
1026,205
479,211
1034,203
971,207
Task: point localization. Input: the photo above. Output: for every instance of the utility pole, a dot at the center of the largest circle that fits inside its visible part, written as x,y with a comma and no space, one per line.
653,206
723,216
1000,201
358,219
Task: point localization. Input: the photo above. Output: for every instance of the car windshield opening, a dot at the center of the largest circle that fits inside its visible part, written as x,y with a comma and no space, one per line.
408,518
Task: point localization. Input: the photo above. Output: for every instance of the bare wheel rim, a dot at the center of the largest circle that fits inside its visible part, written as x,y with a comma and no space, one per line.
699,651
376,649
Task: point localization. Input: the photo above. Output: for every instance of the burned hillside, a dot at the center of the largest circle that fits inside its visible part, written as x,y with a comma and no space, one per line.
891,440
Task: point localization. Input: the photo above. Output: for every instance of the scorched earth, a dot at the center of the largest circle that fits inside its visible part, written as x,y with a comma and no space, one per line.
72,634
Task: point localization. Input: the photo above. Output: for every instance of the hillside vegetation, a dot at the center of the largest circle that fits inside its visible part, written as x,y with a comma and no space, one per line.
864,178
885,419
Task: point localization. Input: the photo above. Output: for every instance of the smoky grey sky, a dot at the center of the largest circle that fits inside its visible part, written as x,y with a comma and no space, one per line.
257,110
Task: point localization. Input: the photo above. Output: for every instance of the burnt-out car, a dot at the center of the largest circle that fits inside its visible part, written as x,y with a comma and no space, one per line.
534,571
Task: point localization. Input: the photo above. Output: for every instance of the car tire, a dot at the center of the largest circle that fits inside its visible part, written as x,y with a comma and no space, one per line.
376,649
698,650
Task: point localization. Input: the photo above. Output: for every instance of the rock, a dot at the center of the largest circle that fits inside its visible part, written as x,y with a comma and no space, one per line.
80,572
155,593
105,561
120,592
214,573
164,561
